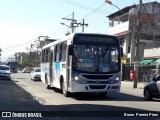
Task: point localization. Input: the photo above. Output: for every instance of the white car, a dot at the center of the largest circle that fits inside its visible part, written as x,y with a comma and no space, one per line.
5,72
36,73
26,70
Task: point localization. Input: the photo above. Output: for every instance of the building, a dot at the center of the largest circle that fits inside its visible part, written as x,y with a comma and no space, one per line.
123,23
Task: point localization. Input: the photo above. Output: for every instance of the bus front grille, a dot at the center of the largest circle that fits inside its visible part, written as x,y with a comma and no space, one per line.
97,82
97,86
89,76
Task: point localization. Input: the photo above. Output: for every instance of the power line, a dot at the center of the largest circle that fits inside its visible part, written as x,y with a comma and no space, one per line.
99,15
147,1
19,44
91,20
92,12
77,4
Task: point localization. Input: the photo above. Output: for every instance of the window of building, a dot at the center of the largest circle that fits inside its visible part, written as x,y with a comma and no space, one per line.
118,20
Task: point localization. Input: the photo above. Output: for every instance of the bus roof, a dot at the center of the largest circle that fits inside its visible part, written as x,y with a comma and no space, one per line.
53,43
71,36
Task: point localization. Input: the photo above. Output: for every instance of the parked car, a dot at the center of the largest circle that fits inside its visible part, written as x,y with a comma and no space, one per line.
26,70
5,72
36,73
152,89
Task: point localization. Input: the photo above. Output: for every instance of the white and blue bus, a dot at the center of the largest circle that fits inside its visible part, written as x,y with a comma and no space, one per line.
83,62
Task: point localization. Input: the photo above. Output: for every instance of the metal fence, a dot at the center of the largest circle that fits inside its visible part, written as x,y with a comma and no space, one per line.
142,69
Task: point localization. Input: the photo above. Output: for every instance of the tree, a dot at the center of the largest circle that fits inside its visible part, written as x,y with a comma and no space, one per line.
25,62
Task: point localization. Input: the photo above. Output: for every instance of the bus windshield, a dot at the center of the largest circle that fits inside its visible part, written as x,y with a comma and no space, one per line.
95,59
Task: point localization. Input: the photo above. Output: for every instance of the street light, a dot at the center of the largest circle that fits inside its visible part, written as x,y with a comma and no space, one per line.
109,2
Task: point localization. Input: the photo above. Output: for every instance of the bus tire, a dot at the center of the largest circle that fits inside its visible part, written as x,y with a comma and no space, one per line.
64,92
46,83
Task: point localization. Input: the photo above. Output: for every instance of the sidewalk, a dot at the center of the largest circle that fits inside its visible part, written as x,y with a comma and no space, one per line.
127,87
129,84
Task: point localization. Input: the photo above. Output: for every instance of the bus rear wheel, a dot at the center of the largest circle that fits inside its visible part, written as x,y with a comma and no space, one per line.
64,91
46,83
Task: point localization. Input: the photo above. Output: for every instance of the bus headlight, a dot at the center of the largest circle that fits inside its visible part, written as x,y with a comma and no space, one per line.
76,78
79,80
116,80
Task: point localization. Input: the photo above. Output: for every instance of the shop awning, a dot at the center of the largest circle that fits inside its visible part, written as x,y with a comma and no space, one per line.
148,60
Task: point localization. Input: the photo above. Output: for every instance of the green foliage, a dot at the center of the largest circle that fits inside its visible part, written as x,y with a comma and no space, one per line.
25,63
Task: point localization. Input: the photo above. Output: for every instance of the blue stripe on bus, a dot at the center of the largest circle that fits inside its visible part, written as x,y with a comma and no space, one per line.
57,69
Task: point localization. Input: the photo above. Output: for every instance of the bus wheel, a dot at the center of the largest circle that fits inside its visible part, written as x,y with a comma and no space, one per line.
46,83
64,92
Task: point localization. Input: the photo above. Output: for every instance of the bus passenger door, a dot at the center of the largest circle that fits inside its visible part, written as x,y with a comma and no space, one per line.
68,65
56,66
51,66
64,62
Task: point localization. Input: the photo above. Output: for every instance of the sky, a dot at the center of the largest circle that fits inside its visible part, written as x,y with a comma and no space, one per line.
22,21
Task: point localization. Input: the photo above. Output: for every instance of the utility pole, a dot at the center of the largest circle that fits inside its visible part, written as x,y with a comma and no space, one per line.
74,24
83,24
137,44
35,57
138,32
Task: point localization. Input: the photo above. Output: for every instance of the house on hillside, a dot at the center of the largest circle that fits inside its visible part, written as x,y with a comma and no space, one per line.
123,23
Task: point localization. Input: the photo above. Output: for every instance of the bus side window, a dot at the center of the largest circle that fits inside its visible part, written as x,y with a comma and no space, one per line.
42,56
63,53
44,59
55,53
46,55
58,56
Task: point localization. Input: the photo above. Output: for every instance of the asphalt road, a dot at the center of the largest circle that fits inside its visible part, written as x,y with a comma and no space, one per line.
22,94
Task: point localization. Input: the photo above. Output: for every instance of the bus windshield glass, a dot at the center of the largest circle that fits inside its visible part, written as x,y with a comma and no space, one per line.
93,59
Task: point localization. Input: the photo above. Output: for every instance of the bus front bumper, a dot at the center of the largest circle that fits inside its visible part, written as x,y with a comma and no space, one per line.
76,87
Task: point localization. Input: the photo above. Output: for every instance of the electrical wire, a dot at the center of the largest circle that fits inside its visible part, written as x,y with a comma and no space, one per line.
92,12
100,15
148,0
77,4
10,51
19,44
96,18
